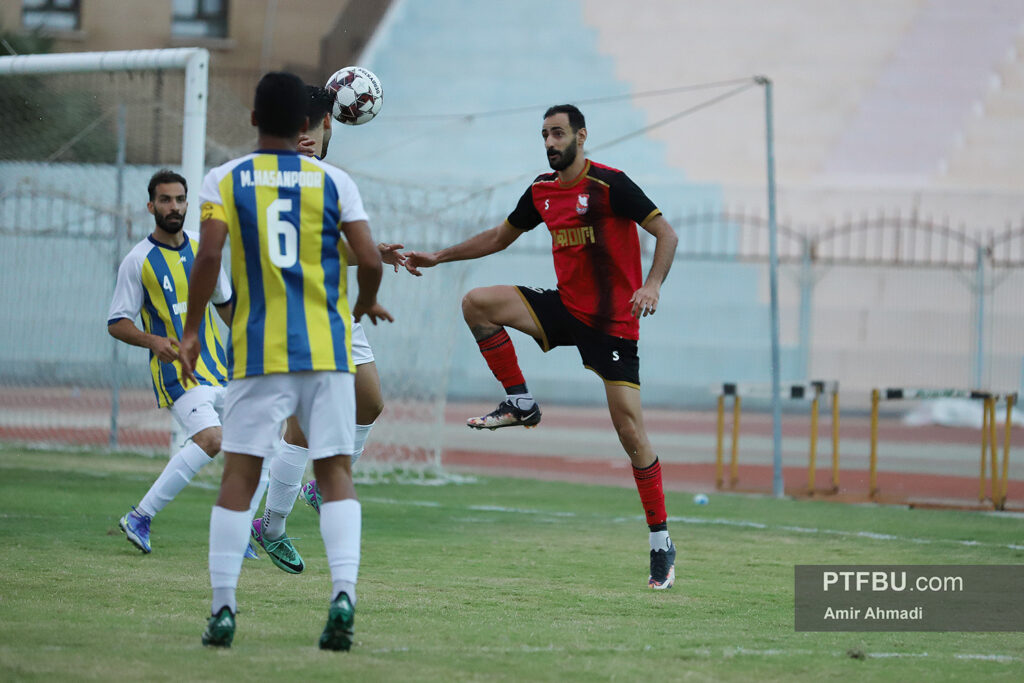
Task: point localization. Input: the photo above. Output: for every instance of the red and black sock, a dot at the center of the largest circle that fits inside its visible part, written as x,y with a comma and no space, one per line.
652,495
500,355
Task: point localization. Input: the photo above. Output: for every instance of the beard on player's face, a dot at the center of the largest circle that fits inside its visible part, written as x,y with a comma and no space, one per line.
171,222
561,160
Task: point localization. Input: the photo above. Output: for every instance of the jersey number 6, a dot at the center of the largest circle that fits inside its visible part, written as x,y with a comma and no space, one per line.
282,237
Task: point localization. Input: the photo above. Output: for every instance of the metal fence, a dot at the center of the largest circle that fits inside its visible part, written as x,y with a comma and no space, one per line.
887,297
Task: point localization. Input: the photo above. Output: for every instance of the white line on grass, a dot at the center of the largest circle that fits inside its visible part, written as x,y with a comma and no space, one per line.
875,536
736,651
733,651
392,501
474,508
498,508
987,658
717,521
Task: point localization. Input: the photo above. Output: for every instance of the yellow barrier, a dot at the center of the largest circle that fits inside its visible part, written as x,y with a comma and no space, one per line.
997,483
813,390
873,461
1011,399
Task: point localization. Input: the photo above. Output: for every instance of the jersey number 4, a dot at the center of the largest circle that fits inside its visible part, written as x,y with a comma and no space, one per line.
282,237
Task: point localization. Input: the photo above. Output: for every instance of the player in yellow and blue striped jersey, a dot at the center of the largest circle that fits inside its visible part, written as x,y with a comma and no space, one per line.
290,350
289,464
152,283
291,312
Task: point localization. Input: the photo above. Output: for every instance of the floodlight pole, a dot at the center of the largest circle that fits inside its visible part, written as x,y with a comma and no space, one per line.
778,483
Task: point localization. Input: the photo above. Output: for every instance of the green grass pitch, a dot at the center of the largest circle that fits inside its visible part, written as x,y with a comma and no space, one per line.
497,580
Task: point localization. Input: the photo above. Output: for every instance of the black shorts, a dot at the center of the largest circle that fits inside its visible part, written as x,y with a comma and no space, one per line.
614,359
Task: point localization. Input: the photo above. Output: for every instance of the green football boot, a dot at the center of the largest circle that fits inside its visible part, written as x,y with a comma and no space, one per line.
339,632
282,553
311,494
220,629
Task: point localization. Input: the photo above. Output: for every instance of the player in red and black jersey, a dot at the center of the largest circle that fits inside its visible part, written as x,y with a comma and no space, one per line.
591,211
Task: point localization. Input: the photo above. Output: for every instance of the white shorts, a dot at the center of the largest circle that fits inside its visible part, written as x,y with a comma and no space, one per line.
199,408
361,351
323,402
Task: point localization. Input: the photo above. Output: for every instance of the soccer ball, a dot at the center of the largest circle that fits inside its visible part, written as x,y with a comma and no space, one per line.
357,95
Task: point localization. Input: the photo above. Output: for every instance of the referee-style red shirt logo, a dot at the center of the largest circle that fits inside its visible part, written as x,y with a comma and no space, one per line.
582,203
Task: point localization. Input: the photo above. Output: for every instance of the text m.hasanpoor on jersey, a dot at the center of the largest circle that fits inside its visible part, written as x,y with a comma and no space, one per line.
284,213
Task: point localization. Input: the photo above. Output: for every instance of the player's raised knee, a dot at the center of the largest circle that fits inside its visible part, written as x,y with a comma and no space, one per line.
472,304
490,304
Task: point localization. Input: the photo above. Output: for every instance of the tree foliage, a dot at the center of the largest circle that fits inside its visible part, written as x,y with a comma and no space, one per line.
46,116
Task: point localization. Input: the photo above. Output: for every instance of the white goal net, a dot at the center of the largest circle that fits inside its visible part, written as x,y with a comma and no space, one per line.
80,141
414,354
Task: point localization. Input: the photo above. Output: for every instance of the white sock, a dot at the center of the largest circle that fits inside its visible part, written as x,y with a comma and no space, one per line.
176,476
341,526
261,488
229,534
521,401
660,540
286,470
362,432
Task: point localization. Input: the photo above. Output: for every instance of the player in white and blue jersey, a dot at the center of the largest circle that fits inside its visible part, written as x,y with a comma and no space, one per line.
152,283
290,350
289,465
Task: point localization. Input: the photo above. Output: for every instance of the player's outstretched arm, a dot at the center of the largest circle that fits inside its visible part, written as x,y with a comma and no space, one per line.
164,348
201,283
368,272
481,244
645,300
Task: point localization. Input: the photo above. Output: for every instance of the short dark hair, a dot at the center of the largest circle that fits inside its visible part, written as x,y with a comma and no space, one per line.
576,120
280,104
321,103
165,175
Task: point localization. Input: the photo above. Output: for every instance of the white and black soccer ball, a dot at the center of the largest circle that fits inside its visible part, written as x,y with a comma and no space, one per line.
357,95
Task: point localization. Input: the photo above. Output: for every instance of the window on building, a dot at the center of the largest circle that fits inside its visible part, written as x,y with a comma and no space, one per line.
200,18
58,15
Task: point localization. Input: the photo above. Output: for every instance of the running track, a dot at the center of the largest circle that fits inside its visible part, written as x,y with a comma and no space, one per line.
930,464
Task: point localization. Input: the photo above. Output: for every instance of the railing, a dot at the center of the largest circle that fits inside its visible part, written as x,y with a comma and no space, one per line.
879,239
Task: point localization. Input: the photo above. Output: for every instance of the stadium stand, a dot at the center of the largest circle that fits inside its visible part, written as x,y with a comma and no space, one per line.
983,155
921,99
